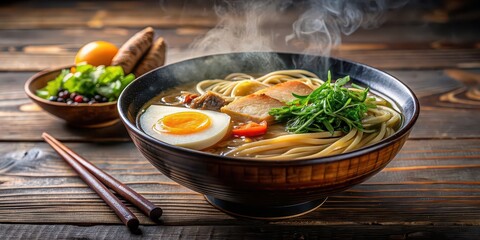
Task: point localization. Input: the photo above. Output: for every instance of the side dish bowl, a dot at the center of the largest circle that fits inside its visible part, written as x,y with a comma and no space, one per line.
256,188
81,115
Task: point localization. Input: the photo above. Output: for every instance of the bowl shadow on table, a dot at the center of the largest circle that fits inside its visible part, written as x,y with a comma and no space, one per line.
115,132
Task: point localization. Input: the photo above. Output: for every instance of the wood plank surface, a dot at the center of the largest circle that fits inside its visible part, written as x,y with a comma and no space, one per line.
68,14
30,121
51,48
431,190
255,231
421,186
384,59
387,36
393,46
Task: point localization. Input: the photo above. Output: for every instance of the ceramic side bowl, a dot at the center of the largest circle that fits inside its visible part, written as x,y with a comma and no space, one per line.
256,188
80,115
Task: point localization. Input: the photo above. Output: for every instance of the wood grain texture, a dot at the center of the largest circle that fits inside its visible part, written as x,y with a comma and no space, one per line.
60,14
254,231
431,190
383,58
439,36
429,182
399,46
31,121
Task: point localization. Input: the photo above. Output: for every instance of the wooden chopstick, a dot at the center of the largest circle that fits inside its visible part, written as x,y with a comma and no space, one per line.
147,207
127,217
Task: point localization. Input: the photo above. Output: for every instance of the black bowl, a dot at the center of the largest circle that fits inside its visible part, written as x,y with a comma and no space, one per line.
257,188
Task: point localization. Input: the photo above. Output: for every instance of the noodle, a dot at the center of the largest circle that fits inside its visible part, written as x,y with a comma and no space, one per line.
378,123
226,87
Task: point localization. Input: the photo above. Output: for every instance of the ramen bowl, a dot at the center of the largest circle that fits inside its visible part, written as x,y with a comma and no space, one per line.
79,115
259,188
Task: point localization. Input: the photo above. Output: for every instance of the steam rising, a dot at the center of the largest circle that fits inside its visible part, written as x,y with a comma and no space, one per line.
239,28
321,27
250,25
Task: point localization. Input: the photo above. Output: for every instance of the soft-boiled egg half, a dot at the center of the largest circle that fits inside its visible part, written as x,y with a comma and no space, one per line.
190,128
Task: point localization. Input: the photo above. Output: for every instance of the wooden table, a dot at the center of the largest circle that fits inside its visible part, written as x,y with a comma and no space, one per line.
430,190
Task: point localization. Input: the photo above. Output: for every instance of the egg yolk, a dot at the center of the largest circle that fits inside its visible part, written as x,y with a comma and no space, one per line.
183,123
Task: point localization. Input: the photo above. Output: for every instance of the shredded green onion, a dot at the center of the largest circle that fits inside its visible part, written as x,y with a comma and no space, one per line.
331,107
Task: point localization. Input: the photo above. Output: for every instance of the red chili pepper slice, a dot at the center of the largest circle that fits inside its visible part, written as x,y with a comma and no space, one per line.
250,129
189,98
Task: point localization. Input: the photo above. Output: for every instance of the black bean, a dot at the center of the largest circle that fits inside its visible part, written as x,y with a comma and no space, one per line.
73,95
69,101
60,99
86,99
52,98
104,99
92,101
64,94
98,98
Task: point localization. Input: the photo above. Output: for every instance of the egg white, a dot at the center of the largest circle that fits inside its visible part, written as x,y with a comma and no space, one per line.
219,126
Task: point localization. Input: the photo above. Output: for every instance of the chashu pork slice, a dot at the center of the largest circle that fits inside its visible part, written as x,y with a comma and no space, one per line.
255,107
283,91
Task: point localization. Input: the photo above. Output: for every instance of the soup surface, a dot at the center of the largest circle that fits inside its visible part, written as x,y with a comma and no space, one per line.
289,114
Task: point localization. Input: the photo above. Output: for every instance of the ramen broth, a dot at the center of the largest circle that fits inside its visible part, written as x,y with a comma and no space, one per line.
277,143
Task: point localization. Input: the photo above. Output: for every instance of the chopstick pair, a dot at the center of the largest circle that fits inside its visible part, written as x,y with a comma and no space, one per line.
94,177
